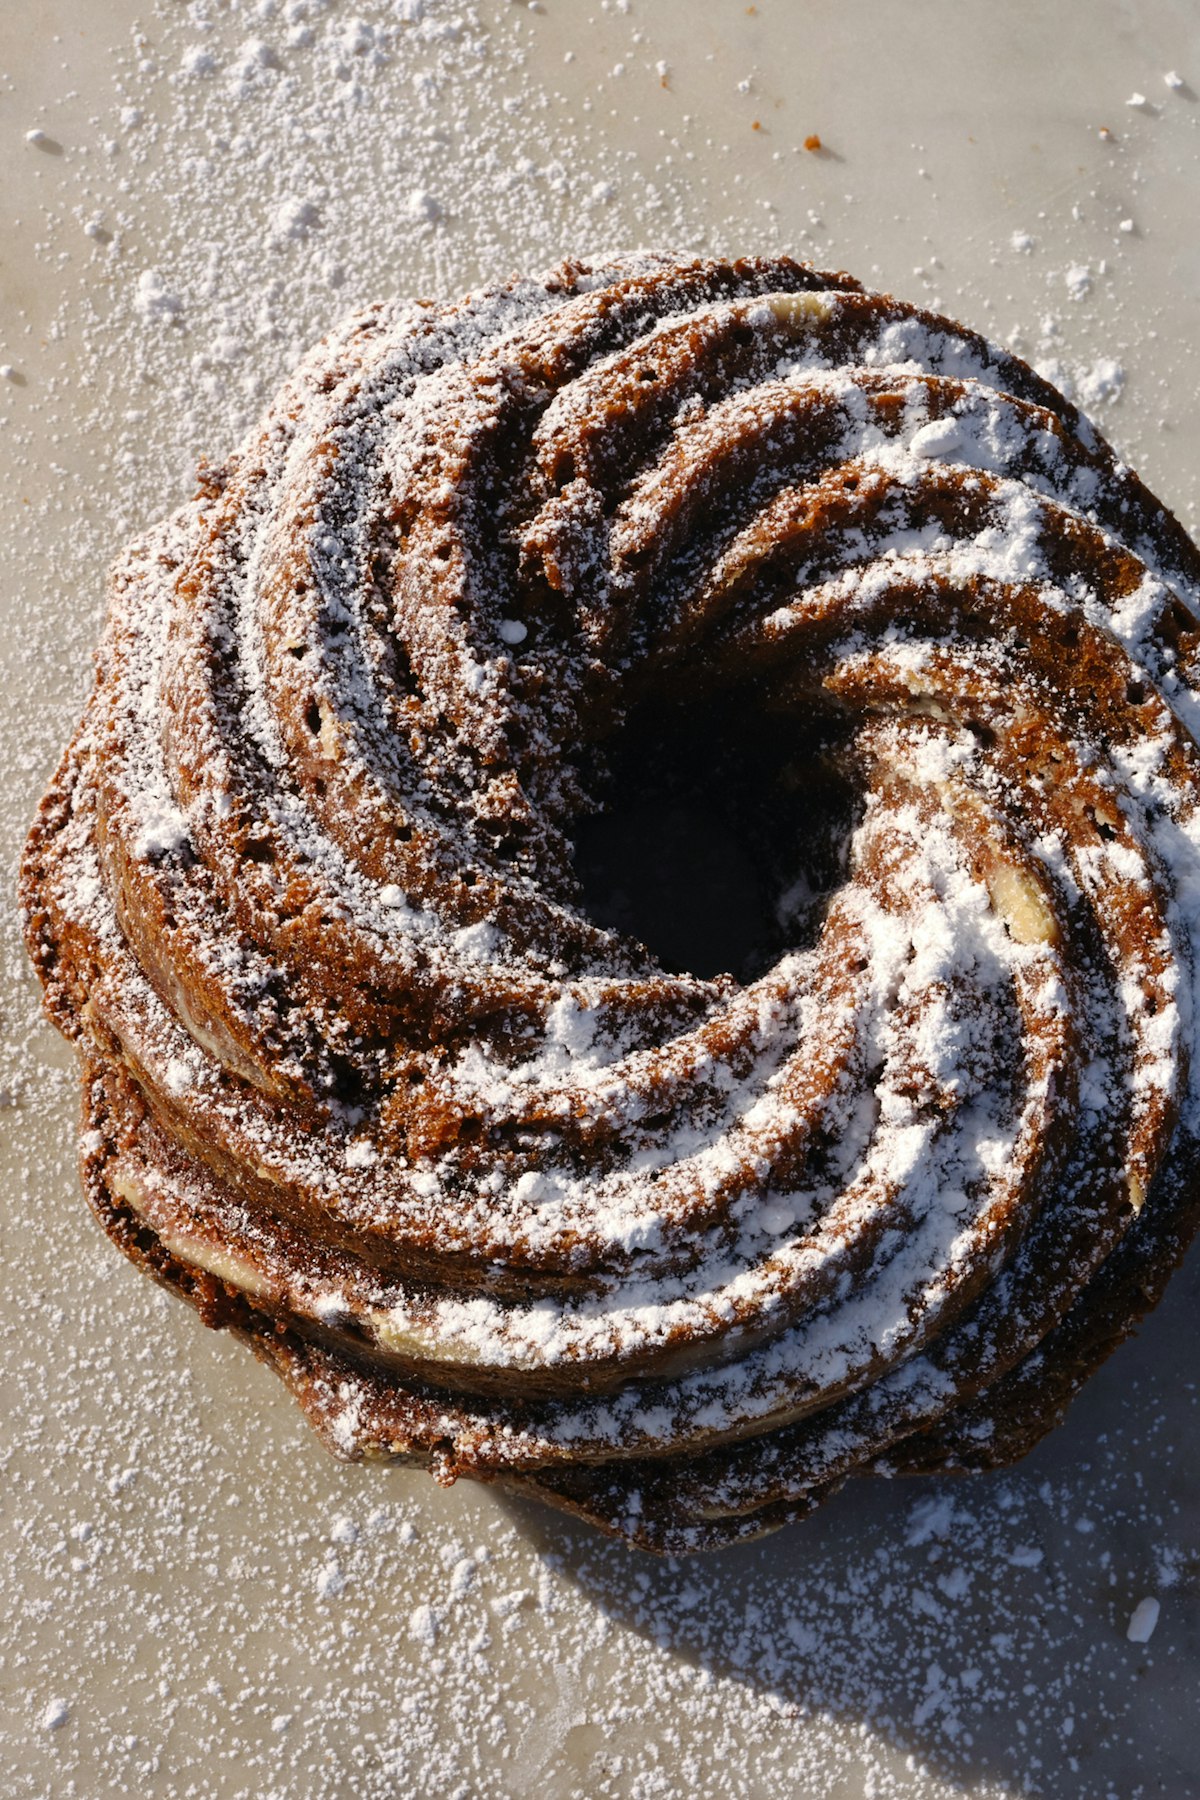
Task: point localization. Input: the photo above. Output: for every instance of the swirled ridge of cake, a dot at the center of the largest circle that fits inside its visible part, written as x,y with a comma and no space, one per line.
495,1189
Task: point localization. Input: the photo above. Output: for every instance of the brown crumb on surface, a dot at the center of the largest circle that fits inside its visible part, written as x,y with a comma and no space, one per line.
812,141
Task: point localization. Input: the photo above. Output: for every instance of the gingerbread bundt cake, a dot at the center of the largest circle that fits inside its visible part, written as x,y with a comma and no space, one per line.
628,892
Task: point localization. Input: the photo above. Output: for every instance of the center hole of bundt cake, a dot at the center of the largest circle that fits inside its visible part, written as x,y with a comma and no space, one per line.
717,844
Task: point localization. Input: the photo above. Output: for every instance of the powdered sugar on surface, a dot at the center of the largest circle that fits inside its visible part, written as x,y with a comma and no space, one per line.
185,1608
471,1647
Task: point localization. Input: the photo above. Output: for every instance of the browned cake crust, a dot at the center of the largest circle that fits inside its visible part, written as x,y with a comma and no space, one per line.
379,1073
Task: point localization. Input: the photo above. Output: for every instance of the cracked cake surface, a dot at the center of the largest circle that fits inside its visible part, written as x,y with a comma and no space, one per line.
628,889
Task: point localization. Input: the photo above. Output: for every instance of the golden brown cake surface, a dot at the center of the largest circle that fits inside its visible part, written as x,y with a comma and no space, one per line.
628,893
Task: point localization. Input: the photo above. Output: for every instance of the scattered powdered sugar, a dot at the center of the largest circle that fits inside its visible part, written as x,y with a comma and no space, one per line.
1078,279
1142,1621
153,299
423,1625
1100,383
330,1580
897,1638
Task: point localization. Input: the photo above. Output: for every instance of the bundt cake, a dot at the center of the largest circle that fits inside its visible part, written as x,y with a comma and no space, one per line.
628,893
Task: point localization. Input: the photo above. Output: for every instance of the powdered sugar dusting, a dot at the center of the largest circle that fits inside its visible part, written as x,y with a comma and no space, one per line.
895,1645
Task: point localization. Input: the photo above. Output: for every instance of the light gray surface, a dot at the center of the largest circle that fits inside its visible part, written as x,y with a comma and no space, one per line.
220,1609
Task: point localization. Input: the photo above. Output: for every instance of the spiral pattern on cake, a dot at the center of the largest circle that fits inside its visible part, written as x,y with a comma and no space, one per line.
495,1186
